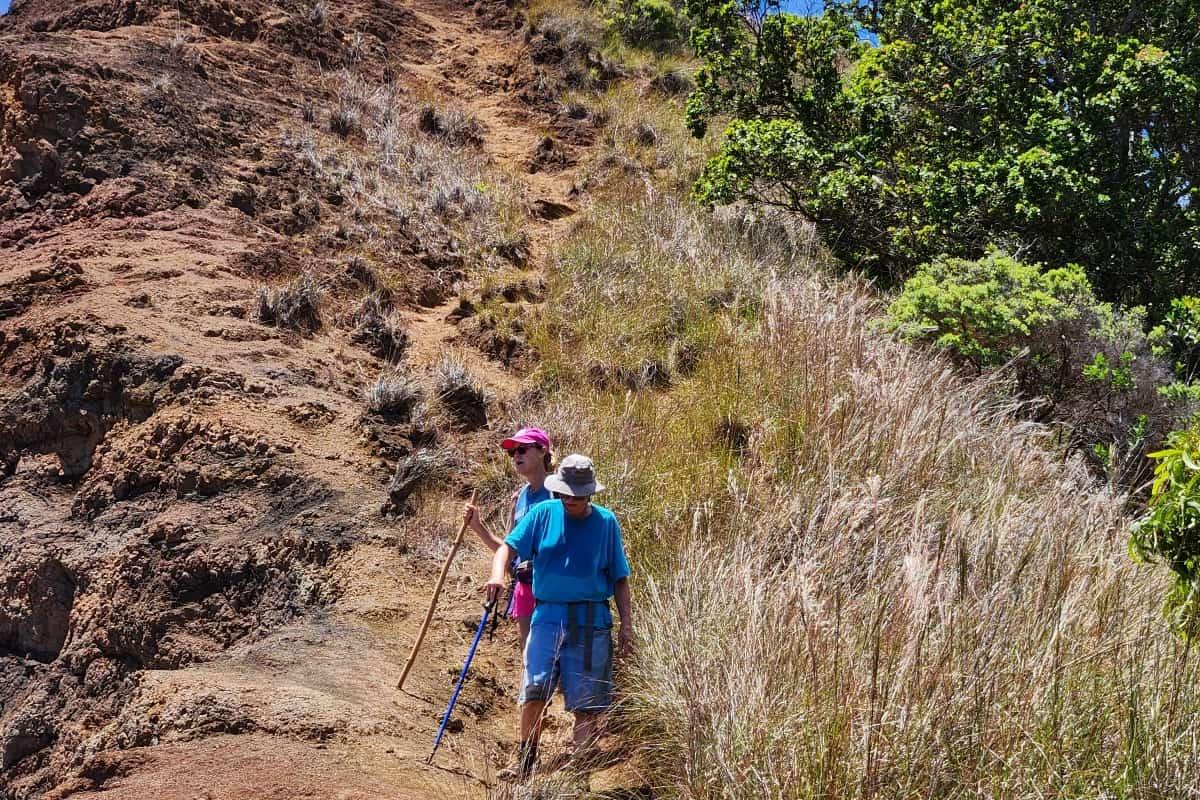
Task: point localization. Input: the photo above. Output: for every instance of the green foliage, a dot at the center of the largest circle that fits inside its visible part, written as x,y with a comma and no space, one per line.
655,24
766,66
1109,454
1117,375
984,312
1177,341
1066,134
1177,338
1170,530
1181,393
1087,362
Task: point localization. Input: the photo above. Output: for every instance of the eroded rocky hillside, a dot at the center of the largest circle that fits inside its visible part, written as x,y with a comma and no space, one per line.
238,397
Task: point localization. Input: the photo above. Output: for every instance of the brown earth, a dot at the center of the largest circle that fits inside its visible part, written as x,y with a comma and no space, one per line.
207,589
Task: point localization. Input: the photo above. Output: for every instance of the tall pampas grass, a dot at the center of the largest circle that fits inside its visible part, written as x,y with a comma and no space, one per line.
885,585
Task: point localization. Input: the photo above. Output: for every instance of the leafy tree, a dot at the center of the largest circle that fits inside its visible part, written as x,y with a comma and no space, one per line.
1170,530
1178,337
1060,130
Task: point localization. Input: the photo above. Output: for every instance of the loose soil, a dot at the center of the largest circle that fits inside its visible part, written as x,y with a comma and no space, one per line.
207,592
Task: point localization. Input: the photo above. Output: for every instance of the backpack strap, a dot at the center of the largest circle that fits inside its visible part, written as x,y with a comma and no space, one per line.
584,634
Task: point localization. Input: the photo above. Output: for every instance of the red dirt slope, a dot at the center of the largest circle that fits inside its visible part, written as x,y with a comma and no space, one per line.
209,576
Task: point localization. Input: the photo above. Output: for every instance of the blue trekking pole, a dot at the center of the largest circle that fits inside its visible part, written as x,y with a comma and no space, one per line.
487,610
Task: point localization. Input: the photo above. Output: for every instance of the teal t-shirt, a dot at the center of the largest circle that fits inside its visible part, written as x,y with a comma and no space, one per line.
573,559
527,499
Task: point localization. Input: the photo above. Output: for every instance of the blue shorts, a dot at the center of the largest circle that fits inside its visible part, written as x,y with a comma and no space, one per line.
551,657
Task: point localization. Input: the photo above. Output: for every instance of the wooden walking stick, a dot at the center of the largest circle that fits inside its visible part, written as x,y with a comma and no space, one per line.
437,590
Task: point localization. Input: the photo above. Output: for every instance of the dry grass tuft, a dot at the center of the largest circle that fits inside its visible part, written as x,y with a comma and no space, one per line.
413,471
455,126
318,15
672,81
357,48
394,394
571,26
345,120
460,394
296,305
359,270
379,328
181,50
555,786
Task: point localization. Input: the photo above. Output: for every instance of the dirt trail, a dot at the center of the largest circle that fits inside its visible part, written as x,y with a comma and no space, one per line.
473,65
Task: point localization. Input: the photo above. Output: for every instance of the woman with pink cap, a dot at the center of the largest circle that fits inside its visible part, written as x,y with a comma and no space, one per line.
529,449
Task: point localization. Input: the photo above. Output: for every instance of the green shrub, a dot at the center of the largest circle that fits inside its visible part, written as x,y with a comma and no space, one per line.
1087,364
1170,530
648,23
1177,339
985,311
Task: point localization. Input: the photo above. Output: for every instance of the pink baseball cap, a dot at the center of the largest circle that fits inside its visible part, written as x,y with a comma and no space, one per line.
527,436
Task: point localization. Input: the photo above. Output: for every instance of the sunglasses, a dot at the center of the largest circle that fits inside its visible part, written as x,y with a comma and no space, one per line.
561,496
523,449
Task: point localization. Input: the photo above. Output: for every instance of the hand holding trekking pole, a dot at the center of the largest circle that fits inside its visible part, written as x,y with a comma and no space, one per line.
493,589
497,583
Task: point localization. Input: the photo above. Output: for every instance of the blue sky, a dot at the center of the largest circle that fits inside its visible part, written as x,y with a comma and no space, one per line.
807,7
3,6
794,6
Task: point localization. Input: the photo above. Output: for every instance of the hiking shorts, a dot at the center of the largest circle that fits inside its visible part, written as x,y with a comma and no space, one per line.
552,657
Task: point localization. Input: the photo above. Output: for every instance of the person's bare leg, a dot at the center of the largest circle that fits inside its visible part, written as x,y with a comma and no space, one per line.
586,731
531,728
523,628
531,720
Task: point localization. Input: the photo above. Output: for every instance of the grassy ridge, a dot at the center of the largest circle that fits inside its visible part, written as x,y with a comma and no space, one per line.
857,575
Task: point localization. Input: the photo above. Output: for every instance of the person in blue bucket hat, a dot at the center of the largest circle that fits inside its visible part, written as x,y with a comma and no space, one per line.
579,563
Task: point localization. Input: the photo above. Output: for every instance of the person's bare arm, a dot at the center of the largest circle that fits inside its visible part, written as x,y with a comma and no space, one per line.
496,583
625,611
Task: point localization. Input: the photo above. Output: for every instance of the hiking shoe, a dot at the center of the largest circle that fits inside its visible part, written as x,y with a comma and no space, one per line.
514,773
521,767
511,774
586,759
